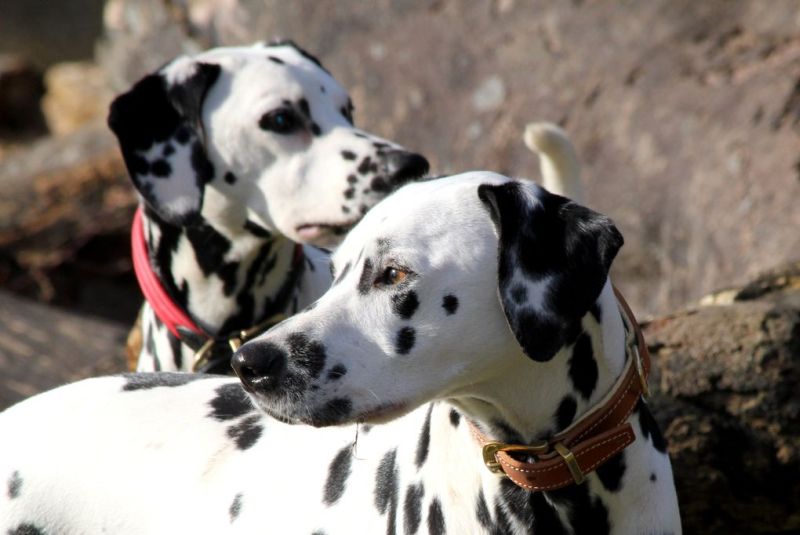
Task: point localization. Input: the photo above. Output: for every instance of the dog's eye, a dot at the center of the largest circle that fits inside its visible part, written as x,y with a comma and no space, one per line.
282,121
391,276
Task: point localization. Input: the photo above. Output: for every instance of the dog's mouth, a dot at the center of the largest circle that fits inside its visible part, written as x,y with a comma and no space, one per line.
378,415
311,232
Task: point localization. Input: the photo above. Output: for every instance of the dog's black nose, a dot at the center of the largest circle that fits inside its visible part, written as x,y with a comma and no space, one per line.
405,166
259,365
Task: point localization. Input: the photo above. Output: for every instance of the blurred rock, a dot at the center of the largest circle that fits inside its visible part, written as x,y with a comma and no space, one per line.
42,347
21,90
726,381
77,93
65,218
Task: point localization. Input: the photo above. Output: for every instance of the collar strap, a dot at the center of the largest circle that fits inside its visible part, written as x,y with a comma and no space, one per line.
593,439
212,355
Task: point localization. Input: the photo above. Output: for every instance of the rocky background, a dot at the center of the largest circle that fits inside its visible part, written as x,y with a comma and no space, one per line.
686,115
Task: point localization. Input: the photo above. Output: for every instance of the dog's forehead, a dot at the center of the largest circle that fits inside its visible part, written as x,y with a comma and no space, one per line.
266,65
421,212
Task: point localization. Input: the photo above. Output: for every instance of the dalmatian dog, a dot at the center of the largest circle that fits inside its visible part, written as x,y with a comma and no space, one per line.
239,154
468,305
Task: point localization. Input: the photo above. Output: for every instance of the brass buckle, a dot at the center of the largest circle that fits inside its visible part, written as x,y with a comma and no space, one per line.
491,449
201,355
571,461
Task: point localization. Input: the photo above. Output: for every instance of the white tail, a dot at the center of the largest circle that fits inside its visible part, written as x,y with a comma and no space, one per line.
558,159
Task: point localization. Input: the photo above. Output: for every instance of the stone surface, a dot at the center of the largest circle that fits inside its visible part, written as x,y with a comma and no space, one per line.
727,383
65,216
77,94
42,347
21,90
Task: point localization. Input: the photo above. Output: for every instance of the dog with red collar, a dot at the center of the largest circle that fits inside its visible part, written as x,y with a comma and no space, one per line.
244,158
470,370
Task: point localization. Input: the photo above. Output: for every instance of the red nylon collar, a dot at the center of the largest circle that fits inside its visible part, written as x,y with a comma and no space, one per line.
165,308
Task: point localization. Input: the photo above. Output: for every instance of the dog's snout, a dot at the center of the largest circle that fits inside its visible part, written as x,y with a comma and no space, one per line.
259,365
405,166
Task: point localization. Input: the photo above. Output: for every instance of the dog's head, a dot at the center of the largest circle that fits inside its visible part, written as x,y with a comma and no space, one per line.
426,288
261,133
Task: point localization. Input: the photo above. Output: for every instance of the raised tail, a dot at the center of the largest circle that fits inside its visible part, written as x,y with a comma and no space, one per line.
558,159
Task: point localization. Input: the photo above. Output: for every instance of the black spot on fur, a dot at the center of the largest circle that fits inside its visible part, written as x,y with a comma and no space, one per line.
26,529
273,59
306,354
653,477
365,281
436,518
482,511
583,366
14,485
363,209
315,129
304,109
343,273
146,381
596,312
349,193
349,155
246,432
364,167
161,168
230,178
334,411
405,304
183,134
322,89
379,185
519,294
611,472
202,166
565,412
337,372
450,304
305,54
352,179
587,514
545,517
169,150
256,230
404,340
338,472
650,427
386,489
424,440
455,417
236,507
345,209
413,507
231,402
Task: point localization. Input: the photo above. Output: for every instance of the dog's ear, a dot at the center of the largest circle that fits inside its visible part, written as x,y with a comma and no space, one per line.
553,261
159,127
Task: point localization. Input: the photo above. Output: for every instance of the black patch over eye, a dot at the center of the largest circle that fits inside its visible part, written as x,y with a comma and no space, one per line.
391,276
281,121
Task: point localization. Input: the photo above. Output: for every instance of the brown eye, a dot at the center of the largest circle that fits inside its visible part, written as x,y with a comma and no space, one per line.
392,276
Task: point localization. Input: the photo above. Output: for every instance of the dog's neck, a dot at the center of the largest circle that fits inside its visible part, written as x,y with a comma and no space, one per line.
532,401
226,279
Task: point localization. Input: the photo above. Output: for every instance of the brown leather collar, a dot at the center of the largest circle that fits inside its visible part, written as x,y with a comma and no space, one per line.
596,437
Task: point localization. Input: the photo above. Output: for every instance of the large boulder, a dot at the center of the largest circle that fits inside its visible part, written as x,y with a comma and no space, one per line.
726,392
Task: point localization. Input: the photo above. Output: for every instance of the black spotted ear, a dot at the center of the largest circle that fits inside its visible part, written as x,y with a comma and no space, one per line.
553,261
159,127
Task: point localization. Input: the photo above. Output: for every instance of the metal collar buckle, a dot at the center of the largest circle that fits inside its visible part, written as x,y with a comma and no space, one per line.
491,449
202,355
